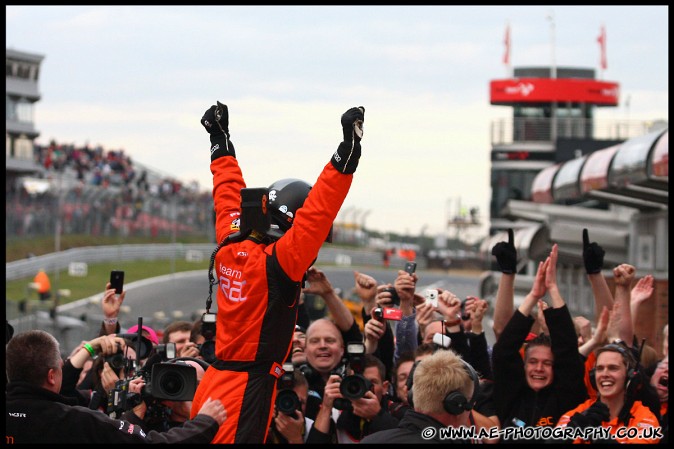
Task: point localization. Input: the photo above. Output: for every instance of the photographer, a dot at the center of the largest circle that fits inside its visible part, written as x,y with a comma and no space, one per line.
105,346
289,424
180,332
164,414
357,417
37,413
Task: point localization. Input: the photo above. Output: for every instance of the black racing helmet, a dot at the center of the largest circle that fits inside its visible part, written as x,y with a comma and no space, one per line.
286,196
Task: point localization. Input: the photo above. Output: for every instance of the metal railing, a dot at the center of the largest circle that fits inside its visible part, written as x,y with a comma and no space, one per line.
506,131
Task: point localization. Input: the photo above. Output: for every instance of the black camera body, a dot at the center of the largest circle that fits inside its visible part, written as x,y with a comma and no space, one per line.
173,381
353,386
118,361
395,299
207,348
287,401
464,315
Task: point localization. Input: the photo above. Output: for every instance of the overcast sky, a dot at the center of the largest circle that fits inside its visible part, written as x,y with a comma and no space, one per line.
141,77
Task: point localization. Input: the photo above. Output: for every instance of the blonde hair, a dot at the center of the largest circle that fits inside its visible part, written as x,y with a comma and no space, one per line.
435,377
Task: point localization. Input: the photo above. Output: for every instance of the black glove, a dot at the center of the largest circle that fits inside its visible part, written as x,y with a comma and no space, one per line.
506,254
345,159
216,122
593,255
592,417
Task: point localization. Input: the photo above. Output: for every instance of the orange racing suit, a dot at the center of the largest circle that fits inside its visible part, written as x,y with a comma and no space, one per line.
259,285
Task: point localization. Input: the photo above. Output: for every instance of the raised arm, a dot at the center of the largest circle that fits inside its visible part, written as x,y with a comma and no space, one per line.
624,275
640,293
506,257
593,259
319,284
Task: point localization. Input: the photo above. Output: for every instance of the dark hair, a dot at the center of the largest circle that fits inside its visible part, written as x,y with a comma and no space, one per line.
371,360
539,340
196,330
424,348
176,326
628,356
30,355
407,356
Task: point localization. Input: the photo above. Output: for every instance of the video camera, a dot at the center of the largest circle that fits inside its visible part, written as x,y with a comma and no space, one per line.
352,386
173,380
287,400
165,379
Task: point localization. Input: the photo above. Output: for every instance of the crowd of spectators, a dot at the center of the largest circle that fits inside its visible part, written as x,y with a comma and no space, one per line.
101,192
545,370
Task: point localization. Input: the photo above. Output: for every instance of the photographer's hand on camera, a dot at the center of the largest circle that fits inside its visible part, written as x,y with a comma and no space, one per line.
366,407
373,330
330,393
290,427
103,345
108,378
405,285
424,316
190,350
385,294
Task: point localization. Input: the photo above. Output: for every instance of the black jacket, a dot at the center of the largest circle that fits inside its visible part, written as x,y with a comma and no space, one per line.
409,431
36,415
512,395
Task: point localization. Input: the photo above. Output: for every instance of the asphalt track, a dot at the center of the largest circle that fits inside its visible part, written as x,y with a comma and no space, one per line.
163,299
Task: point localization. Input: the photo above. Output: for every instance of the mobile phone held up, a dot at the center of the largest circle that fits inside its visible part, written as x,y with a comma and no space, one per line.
117,281
410,267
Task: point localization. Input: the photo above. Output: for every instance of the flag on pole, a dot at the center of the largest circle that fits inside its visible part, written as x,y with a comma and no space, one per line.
602,47
506,41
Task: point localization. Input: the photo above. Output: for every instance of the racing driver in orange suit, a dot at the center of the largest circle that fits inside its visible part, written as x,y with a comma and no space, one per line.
260,277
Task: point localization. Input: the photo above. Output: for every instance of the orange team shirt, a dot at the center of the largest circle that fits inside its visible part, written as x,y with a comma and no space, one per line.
642,418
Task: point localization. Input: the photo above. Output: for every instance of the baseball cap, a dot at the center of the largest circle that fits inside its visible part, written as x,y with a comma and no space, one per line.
152,334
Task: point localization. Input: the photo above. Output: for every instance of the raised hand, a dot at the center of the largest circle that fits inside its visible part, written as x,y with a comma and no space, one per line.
593,255
506,254
345,159
643,289
216,122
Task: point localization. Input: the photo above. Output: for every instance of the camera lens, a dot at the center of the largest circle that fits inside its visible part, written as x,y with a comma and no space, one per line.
116,361
207,351
287,402
172,384
354,387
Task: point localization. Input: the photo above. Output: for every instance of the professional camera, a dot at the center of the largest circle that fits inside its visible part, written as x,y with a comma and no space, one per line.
287,400
353,386
207,348
174,381
118,361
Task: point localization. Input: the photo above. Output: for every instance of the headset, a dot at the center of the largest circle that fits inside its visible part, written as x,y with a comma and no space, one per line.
454,402
633,377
